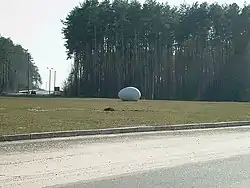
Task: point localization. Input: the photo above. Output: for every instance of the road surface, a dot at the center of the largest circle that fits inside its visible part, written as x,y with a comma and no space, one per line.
223,173
206,158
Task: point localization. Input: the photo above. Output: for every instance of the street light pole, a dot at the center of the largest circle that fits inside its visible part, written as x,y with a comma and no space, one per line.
54,79
49,78
28,74
50,69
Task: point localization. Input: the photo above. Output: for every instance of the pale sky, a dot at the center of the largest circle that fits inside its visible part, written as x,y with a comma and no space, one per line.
35,24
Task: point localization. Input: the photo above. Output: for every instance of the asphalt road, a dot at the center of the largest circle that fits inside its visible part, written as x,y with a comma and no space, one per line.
224,173
207,158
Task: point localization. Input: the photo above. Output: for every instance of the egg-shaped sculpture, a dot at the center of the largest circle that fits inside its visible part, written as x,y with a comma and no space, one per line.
129,94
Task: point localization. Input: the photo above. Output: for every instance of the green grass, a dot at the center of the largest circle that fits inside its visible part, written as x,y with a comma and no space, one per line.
26,115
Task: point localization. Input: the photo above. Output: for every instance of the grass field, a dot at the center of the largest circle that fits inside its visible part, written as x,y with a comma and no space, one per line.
25,115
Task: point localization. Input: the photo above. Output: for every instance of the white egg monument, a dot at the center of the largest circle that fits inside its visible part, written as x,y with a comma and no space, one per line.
129,94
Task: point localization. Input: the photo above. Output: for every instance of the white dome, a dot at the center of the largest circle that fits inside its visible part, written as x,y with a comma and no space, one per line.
129,94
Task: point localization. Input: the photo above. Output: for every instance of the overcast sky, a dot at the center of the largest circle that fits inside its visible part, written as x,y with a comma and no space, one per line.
35,24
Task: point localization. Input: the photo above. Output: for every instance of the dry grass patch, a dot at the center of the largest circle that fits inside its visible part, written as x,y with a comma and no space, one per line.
25,115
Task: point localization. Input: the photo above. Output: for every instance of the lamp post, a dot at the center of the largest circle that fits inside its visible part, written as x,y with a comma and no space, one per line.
49,78
28,72
54,79
50,69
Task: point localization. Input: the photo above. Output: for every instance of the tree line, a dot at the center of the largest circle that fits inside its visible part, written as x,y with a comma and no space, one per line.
188,52
17,68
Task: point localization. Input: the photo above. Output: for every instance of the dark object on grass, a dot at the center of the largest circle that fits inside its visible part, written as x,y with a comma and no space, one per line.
109,109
